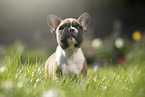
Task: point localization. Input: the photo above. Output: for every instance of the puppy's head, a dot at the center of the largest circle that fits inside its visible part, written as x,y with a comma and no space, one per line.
70,31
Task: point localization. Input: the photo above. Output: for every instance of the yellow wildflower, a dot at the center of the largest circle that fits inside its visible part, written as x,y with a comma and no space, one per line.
136,35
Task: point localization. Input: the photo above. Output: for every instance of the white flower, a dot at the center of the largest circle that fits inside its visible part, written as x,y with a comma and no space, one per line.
97,43
119,43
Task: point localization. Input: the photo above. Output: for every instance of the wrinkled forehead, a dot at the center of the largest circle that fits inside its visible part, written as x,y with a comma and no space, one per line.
69,22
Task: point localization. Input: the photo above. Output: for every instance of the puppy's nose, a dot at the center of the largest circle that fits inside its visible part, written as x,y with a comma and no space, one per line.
71,30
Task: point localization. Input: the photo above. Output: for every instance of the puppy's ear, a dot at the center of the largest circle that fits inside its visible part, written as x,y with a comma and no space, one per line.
53,21
84,20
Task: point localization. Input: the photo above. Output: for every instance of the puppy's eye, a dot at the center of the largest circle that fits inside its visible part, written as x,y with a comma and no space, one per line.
61,28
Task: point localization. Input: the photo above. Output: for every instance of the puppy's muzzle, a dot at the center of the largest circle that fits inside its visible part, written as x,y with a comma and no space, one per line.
69,33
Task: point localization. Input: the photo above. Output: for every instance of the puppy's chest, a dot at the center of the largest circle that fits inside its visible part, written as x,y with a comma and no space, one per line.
71,65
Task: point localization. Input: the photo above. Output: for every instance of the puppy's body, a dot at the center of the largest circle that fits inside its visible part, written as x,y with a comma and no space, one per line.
70,62
68,58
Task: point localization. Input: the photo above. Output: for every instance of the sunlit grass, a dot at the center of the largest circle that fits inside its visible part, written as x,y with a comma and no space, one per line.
27,80
22,75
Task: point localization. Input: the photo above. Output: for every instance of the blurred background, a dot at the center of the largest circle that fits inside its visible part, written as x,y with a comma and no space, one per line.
116,33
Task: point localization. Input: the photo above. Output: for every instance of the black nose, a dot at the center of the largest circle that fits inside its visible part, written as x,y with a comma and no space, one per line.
72,30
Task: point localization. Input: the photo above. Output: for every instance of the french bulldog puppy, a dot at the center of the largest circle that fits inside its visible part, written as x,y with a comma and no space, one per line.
68,59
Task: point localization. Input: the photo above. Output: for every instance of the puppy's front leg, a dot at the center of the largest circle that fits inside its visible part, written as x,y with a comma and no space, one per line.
51,67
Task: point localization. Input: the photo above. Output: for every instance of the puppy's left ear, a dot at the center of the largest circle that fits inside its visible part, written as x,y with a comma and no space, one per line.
84,20
53,22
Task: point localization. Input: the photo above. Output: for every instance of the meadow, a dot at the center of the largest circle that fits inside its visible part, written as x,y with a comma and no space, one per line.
22,75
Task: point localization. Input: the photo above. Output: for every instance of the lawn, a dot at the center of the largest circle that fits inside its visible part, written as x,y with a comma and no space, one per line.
27,80
22,76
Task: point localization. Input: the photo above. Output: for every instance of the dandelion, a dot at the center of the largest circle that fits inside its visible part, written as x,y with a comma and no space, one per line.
136,35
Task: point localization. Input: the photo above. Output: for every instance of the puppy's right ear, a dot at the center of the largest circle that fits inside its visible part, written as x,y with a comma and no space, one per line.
53,21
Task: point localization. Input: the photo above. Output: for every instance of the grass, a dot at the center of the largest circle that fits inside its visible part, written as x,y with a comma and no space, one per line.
27,80
22,75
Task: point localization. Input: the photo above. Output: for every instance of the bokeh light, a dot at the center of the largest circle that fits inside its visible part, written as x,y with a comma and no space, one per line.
97,43
119,43
136,35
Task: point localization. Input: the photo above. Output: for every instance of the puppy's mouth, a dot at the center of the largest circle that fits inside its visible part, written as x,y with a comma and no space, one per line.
71,39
